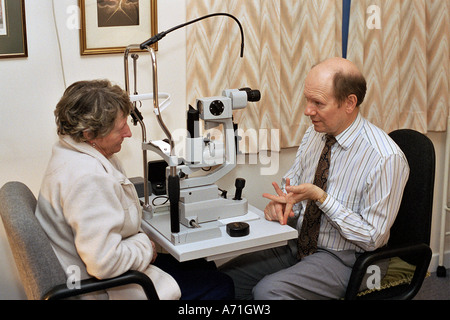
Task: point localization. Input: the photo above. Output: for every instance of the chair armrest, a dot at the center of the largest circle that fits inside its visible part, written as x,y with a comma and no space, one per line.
422,254
91,285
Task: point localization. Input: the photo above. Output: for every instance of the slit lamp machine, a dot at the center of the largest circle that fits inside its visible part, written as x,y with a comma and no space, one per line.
195,202
199,220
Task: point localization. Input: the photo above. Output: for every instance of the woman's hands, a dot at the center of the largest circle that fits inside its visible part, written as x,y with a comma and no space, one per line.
280,208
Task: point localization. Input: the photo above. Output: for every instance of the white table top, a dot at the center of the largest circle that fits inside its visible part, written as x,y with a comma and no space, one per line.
263,234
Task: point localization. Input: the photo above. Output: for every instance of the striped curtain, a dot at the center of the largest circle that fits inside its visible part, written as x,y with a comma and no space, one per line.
405,61
401,46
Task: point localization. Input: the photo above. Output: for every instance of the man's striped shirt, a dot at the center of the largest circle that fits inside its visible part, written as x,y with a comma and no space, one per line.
368,173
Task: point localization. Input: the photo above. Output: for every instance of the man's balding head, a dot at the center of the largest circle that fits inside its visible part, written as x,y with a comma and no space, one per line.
346,78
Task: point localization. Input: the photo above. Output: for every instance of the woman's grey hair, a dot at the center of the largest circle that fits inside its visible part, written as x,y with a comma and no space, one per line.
92,107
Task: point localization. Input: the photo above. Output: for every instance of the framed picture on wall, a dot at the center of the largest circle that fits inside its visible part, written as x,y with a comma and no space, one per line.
109,26
13,35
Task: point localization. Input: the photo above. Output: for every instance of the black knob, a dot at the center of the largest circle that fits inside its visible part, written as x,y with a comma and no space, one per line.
239,184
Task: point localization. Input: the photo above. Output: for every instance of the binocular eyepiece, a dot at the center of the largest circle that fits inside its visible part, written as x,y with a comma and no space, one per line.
252,95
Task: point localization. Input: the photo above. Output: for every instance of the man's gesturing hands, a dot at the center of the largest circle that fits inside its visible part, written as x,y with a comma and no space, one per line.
280,208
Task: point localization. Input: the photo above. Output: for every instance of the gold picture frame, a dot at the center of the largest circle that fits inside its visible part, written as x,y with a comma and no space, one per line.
108,27
13,34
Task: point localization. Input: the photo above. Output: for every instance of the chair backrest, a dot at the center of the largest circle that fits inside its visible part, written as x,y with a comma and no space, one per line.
38,266
413,222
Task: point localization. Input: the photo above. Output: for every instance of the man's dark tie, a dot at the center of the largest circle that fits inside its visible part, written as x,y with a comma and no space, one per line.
309,232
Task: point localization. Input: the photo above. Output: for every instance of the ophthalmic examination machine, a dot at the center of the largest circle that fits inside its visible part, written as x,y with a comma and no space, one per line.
199,219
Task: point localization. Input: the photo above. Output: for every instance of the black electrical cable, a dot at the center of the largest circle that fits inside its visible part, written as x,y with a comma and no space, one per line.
162,34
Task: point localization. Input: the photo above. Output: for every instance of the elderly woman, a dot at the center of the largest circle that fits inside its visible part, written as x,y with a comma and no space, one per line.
91,211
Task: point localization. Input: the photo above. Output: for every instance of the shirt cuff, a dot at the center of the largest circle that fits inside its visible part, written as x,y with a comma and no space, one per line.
330,206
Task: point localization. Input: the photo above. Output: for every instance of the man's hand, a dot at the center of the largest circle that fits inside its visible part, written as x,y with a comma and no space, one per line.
280,208
277,209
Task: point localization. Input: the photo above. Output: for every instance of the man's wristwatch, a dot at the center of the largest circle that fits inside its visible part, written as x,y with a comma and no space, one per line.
323,198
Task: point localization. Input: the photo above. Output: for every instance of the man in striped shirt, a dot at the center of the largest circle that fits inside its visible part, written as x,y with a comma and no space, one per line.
366,178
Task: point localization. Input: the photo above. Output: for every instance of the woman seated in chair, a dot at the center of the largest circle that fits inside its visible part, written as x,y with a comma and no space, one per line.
91,211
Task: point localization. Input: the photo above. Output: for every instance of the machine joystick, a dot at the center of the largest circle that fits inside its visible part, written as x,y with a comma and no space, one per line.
239,184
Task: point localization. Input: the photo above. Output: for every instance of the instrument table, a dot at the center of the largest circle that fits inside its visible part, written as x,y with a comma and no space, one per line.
263,235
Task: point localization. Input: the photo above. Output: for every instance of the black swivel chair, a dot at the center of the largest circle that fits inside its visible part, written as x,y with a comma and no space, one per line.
410,234
40,271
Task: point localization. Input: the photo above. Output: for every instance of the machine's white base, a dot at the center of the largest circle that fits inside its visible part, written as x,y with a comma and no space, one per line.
211,241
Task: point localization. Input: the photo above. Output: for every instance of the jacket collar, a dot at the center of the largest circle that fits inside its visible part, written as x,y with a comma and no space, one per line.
111,165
